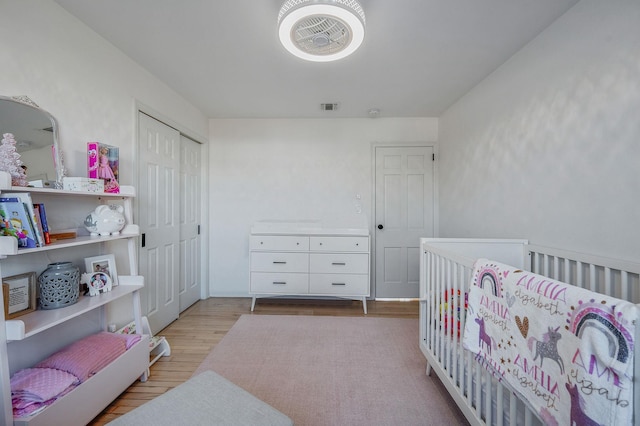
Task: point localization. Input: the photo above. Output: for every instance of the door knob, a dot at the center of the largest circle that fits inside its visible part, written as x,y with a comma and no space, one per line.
380,226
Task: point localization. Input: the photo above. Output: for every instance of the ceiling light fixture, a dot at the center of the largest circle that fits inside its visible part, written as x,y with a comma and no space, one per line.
321,30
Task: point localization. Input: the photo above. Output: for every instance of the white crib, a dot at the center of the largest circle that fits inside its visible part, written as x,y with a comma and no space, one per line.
445,273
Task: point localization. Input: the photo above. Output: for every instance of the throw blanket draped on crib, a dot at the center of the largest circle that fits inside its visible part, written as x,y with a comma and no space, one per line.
567,351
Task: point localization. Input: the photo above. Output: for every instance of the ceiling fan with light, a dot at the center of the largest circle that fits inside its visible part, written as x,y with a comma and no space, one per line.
321,30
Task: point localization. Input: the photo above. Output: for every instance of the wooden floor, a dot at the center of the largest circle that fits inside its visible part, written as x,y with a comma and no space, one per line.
204,324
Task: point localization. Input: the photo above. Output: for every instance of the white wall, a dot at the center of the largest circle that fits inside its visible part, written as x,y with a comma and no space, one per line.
86,83
548,147
293,169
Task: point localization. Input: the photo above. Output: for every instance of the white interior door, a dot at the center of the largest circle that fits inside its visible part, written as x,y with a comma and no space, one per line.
404,212
190,169
159,167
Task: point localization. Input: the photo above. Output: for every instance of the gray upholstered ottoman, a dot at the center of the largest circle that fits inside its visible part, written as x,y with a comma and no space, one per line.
206,399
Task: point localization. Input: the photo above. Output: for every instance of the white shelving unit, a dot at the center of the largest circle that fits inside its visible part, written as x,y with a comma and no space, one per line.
87,400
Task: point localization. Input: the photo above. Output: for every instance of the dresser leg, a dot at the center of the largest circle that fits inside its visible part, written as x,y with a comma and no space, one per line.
364,304
253,303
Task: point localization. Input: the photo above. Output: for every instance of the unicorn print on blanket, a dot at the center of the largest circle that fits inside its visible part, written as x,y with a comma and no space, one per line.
548,347
483,337
578,416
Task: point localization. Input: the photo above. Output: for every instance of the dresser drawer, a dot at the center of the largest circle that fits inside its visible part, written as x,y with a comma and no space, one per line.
339,263
279,262
282,283
279,243
339,244
339,284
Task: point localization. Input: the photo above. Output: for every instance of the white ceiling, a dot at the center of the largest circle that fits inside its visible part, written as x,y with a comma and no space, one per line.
418,57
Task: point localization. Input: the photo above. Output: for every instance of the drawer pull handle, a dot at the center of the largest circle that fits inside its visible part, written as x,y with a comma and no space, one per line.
338,263
279,262
279,282
338,283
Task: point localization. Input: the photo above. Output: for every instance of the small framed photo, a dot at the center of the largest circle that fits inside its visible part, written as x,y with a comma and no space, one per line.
105,263
20,294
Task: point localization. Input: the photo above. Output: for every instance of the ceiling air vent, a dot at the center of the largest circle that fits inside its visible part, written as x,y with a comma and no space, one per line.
328,107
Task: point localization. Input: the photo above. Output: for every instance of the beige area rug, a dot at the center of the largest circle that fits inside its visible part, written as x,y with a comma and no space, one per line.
334,370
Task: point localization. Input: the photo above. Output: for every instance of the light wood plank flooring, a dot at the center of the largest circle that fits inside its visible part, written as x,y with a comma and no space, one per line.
205,323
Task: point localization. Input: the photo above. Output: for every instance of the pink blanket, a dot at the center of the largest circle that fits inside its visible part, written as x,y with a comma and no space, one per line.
567,351
86,357
39,385
33,389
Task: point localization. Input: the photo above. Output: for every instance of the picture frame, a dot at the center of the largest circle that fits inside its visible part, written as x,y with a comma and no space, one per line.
97,282
105,263
20,294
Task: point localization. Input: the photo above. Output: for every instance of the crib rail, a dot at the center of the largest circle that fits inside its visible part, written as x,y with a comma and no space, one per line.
612,277
445,279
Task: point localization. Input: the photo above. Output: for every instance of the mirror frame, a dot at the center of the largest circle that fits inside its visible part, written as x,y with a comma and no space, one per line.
58,164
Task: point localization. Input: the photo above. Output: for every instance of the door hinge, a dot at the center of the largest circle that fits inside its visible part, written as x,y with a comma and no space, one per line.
433,157
198,229
143,242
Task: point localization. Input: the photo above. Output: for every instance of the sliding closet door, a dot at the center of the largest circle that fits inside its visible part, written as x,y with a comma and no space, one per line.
190,244
158,201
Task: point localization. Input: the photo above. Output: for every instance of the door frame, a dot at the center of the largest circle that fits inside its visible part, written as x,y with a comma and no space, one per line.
436,209
140,107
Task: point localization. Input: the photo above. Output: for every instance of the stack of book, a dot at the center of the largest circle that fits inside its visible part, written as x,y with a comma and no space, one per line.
24,220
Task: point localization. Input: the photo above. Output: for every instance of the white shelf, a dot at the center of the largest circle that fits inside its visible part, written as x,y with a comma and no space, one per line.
40,320
9,249
125,192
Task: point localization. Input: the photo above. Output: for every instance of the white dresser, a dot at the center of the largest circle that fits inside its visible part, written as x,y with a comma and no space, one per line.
309,261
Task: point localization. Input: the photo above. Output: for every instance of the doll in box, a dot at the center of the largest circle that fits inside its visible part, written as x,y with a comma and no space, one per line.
104,169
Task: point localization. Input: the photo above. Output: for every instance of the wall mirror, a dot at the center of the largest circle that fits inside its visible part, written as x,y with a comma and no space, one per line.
36,134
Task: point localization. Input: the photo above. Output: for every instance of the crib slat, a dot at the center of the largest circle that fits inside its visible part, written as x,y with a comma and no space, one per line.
545,270
528,418
454,322
488,385
579,275
556,268
607,281
512,408
499,408
593,279
625,286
